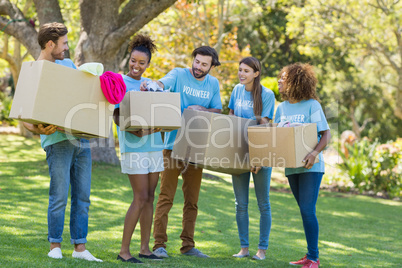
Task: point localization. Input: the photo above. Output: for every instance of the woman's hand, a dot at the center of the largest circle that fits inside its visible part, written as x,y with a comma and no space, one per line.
143,86
143,132
309,160
255,169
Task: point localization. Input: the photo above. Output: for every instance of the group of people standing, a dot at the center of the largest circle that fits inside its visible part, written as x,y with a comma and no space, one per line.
70,164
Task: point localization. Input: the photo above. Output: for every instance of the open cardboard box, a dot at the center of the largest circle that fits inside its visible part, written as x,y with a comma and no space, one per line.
145,109
50,93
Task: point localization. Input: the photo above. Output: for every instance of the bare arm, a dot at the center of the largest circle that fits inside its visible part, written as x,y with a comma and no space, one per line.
310,158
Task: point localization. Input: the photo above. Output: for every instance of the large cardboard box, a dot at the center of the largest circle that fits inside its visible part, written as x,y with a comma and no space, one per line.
50,93
272,146
144,109
213,141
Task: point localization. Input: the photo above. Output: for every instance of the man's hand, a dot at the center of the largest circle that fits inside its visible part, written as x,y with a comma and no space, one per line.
197,108
46,130
143,85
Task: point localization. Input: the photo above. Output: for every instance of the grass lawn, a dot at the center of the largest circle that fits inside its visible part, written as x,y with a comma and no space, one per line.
355,231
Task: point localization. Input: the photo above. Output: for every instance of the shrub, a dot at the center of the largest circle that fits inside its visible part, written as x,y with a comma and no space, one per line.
375,167
5,107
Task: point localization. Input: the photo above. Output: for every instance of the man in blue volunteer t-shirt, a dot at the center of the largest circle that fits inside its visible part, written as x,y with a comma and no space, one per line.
69,161
198,91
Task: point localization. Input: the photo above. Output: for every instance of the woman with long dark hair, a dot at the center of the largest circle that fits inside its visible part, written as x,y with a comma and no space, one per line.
250,99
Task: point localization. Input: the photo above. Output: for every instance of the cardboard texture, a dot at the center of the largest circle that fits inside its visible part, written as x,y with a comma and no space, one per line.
50,93
272,146
144,109
213,141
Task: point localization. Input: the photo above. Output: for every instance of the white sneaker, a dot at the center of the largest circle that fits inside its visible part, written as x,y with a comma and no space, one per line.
55,253
161,252
85,255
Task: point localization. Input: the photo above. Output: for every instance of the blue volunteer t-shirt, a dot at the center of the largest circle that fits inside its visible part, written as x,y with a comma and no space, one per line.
241,102
192,92
131,143
56,137
305,111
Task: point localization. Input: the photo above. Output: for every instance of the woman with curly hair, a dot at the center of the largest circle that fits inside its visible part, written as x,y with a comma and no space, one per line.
141,157
297,86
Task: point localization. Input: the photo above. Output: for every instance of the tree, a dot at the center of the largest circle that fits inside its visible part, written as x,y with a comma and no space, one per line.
370,32
106,27
263,28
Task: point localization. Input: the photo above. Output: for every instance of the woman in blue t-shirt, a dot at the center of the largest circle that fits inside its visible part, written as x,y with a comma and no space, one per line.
297,86
250,99
141,157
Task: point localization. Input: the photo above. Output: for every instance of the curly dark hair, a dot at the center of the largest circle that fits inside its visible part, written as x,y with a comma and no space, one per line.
142,43
301,82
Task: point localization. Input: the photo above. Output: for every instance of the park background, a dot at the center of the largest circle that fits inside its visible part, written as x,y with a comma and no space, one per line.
356,48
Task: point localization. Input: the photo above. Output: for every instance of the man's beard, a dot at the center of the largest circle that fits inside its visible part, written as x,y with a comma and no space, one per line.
202,73
59,56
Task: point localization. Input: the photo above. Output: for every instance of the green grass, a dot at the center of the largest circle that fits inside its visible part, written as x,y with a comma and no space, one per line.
355,231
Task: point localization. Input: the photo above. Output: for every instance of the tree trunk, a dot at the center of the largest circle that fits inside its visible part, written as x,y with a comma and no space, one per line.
355,124
398,98
103,150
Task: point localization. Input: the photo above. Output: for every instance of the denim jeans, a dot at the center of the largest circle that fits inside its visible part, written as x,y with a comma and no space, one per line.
69,164
241,184
305,188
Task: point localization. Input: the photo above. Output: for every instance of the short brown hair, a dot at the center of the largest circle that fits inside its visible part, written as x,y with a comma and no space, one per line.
51,32
301,82
207,51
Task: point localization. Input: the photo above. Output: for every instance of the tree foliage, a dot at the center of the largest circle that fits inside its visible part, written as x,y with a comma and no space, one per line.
188,25
367,32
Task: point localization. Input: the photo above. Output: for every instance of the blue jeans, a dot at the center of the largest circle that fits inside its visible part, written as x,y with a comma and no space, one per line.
305,188
69,164
241,185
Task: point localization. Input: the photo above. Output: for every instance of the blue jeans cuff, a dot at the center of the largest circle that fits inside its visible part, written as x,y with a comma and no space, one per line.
55,240
78,241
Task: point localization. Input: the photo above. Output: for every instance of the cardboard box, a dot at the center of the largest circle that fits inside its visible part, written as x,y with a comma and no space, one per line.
144,109
50,93
213,141
272,146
